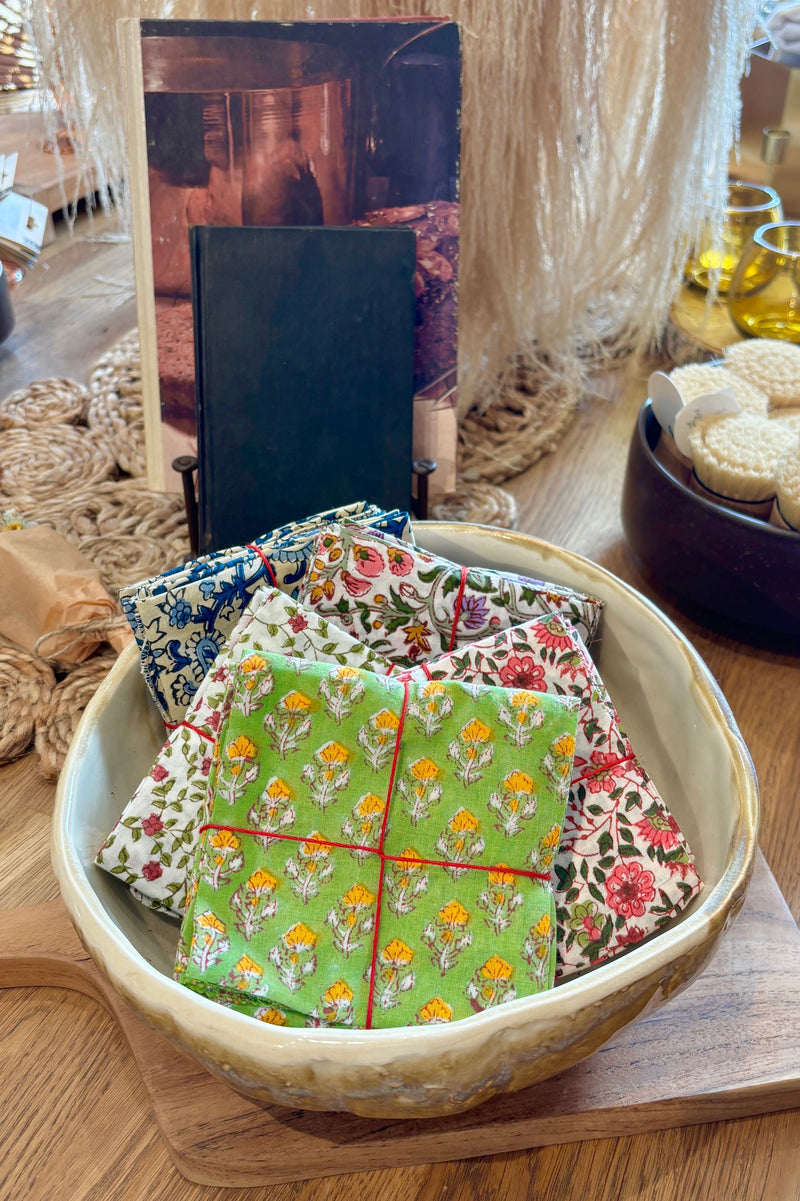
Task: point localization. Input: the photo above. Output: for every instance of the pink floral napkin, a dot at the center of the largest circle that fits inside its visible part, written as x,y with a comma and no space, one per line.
623,868
411,606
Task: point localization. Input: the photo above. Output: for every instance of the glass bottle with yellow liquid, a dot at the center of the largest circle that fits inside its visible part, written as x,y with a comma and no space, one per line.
749,206
764,294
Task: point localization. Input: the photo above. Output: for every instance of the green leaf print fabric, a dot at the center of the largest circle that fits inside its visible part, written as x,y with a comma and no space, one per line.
369,856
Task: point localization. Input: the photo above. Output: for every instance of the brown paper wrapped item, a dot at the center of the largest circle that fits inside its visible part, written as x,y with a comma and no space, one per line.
52,600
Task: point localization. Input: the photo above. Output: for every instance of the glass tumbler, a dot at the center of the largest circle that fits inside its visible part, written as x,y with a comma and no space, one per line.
764,295
749,205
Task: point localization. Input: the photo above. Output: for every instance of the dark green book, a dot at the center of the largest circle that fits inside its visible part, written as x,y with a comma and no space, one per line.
304,352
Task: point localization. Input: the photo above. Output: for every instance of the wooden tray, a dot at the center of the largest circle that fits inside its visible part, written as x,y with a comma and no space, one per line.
724,1048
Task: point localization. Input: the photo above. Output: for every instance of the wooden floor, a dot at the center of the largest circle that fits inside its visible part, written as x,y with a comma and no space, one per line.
72,306
76,1120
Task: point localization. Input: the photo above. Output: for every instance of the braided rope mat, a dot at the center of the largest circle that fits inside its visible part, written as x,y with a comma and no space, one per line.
72,457
47,402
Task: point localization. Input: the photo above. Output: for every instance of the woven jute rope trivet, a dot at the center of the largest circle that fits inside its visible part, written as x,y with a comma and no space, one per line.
38,463
57,720
127,560
26,683
483,504
46,402
524,423
115,404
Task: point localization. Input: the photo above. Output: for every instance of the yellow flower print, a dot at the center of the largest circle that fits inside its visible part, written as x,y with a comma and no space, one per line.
358,897
552,838
496,968
273,1017
369,805
397,952
248,966
252,663
278,790
436,1010
525,699
346,673
300,937
210,921
225,840
543,926
386,720
476,731
333,752
518,781
432,688
464,822
262,881
240,751
565,745
424,769
315,846
453,914
499,876
296,702
338,992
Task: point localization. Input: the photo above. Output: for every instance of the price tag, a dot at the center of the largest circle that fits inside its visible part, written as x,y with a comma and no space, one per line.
665,399
709,404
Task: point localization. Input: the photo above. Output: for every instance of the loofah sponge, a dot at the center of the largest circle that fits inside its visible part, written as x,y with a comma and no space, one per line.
736,455
771,365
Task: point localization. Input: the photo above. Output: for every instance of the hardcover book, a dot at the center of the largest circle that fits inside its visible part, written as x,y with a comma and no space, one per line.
266,123
304,351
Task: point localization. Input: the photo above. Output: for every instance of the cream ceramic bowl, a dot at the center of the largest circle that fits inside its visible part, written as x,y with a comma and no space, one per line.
684,733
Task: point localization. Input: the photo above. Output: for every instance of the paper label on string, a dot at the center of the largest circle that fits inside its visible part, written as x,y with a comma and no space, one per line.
708,405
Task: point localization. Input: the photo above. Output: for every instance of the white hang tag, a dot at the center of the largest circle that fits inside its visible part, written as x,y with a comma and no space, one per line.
710,404
666,400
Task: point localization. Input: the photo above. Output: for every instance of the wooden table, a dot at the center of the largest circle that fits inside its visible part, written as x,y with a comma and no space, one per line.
76,1120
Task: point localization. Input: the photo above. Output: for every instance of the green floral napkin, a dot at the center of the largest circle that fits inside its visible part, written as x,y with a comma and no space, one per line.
411,605
375,853
153,843
623,868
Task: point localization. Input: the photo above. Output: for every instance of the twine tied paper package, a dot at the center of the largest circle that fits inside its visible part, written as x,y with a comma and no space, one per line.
411,605
623,868
152,845
47,585
373,854
182,618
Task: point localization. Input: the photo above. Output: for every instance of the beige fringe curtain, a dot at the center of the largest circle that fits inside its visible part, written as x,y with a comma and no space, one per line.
594,132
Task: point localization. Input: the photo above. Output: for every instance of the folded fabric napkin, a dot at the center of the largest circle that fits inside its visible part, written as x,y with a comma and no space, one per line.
410,605
181,619
152,845
623,868
372,848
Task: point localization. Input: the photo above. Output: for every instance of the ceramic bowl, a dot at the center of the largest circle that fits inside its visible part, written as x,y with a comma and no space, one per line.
726,562
686,737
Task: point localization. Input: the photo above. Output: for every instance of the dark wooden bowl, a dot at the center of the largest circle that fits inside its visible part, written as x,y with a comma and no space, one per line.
726,563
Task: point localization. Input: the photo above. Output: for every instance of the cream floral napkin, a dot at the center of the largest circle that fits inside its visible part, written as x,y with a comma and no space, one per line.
153,843
410,605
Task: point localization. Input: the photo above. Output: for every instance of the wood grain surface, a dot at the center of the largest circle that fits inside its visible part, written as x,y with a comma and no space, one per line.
77,1122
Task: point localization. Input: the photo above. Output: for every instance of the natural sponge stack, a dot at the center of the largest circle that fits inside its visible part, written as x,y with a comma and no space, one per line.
749,460
769,365
736,455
